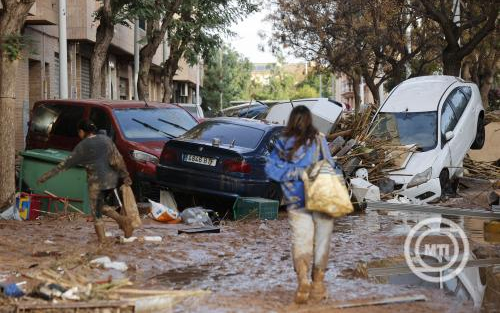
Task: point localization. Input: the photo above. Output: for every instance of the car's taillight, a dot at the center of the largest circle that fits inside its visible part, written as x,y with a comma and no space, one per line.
168,155
239,166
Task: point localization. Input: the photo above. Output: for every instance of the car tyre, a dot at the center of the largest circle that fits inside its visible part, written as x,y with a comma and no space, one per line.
480,134
444,182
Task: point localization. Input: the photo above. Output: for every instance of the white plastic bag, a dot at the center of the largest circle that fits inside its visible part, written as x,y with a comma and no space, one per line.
196,216
162,213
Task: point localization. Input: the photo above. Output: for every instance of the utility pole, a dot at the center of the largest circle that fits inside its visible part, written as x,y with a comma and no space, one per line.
456,21
320,85
136,58
63,52
362,91
220,76
198,74
332,77
408,43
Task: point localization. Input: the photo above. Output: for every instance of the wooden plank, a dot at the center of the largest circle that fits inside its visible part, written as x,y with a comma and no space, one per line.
383,301
75,305
404,269
362,303
425,208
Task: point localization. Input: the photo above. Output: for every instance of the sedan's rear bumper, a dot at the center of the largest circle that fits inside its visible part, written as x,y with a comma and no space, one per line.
190,181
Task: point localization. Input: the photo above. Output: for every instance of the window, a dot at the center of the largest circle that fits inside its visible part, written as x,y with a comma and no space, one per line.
101,121
142,24
448,120
458,102
67,120
467,91
227,133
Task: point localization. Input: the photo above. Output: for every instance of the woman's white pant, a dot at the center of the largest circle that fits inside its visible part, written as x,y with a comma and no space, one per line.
311,235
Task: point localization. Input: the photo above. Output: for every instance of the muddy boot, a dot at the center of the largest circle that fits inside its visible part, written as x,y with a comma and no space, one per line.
123,221
318,289
99,230
304,285
302,249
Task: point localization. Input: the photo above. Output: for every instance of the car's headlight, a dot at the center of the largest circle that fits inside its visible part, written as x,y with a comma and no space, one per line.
421,178
142,156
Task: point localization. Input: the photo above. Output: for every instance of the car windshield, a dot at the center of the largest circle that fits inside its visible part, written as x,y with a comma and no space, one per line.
152,124
227,133
407,128
191,109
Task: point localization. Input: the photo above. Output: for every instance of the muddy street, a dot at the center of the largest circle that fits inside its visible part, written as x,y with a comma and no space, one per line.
247,267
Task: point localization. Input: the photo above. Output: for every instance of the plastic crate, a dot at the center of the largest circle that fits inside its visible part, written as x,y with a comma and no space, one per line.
264,209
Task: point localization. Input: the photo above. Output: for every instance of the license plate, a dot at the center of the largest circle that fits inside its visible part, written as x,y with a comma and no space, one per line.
200,160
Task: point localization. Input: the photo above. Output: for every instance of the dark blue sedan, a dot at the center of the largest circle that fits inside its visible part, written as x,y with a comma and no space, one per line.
221,157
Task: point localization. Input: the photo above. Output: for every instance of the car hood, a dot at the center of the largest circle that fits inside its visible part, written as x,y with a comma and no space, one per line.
418,162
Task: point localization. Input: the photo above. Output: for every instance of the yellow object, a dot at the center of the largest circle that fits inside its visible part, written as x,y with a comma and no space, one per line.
324,190
492,227
129,208
24,207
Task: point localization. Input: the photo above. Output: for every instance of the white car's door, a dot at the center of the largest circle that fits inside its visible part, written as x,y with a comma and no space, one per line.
456,118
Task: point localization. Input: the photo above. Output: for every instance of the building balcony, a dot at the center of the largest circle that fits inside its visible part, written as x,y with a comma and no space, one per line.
43,12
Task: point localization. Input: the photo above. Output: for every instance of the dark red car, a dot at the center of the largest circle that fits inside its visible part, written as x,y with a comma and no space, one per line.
139,130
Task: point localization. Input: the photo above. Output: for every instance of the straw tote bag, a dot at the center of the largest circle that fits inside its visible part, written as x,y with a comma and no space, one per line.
324,189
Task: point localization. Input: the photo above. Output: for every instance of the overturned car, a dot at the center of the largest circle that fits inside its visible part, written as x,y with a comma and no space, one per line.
435,120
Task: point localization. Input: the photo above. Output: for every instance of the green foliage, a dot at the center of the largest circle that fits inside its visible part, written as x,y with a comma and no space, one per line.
231,76
202,25
13,45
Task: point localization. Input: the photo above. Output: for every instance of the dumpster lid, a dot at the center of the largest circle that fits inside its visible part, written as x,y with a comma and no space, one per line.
51,155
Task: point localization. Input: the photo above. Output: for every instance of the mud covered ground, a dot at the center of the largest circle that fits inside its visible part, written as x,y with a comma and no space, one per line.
247,267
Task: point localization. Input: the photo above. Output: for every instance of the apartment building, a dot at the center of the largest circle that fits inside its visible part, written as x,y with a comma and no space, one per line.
38,70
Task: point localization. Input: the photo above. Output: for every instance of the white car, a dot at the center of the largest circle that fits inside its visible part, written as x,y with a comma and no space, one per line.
442,117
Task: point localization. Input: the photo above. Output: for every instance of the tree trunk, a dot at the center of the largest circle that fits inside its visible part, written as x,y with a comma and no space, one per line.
451,63
7,135
146,58
373,89
169,69
104,36
12,19
168,87
356,80
155,36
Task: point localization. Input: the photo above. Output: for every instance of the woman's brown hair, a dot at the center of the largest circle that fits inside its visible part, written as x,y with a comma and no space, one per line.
301,128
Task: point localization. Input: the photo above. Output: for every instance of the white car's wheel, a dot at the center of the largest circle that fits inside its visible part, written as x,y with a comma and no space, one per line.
480,134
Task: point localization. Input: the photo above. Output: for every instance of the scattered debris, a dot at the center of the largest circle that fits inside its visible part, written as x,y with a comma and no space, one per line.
11,290
481,169
107,263
152,238
162,213
198,230
364,190
196,216
11,213
46,253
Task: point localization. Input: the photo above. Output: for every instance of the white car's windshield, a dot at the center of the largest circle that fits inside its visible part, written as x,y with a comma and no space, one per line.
407,128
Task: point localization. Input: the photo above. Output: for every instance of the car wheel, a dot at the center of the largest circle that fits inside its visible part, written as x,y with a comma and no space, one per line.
480,135
444,181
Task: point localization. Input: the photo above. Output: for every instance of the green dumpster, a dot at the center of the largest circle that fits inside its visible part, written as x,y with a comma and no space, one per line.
71,184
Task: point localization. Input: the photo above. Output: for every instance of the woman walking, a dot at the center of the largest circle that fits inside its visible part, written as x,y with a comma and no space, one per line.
295,151
105,171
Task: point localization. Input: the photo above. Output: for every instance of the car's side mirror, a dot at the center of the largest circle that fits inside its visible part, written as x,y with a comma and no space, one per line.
449,135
